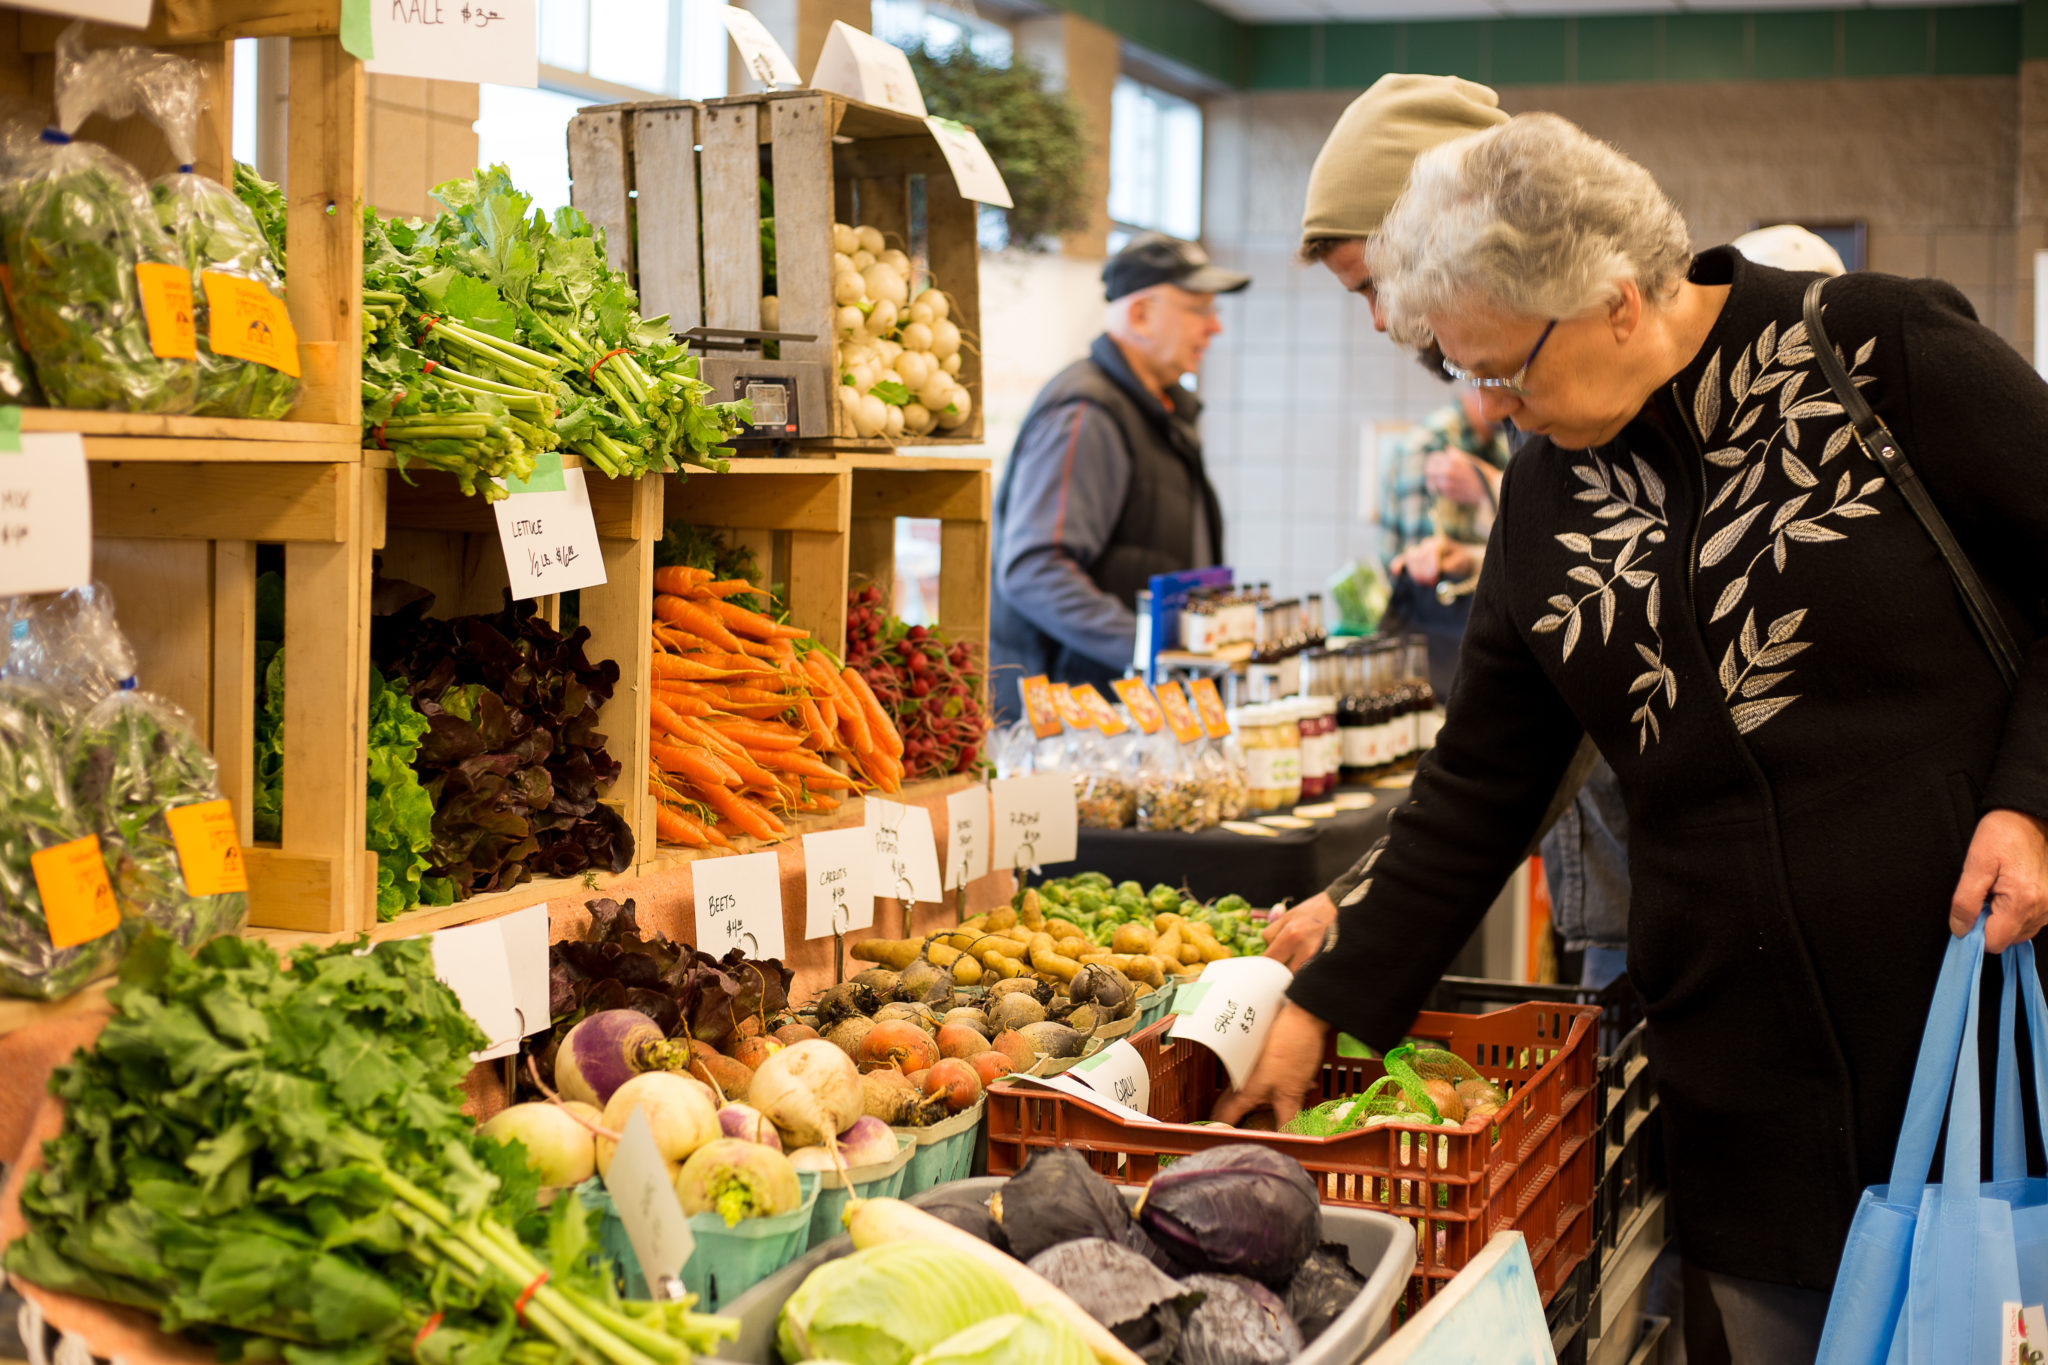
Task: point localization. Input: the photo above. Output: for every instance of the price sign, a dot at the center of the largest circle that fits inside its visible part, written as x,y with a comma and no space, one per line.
547,532
839,877
1118,1072
1231,1009
126,13
1072,714
1068,1084
472,962
246,320
78,901
906,855
209,848
865,68
759,52
974,171
739,904
967,840
45,515
1035,821
167,310
645,1195
456,40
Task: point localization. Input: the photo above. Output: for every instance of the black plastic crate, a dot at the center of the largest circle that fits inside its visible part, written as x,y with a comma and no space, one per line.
1621,1009
1570,1310
1631,1170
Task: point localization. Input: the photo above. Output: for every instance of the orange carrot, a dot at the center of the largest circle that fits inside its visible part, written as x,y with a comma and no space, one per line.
757,736
752,623
753,818
878,720
851,721
726,587
701,766
796,761
694,618
667,718
671,828
678,579
816,736
681,700
733,753
682,666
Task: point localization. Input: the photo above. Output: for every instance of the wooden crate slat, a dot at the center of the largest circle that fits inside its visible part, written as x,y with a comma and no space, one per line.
732,216
803,223
774,502
287,502
600,180
943,495
618,616
209,438
296,891
233,736
324,176
163,600
198,21
434,501
669,252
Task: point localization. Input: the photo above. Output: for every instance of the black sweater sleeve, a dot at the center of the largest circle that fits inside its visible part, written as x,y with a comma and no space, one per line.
1979,439
1410,905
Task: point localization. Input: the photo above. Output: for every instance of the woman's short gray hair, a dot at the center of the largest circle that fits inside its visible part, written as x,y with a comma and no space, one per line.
1535,218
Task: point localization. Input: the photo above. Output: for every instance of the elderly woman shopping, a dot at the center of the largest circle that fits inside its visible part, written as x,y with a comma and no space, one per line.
1699,564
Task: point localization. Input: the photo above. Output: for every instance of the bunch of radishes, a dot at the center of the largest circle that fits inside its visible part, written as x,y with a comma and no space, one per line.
931,689
897,351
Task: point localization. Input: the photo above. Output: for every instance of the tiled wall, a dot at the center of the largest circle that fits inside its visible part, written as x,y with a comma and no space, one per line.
1298,374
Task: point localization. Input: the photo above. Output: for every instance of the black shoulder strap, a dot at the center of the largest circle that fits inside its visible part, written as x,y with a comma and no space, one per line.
1879,443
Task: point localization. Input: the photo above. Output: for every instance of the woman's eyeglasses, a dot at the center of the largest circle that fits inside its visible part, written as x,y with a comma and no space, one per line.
1513,383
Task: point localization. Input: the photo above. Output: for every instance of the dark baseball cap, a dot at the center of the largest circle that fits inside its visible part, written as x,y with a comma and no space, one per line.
1154,258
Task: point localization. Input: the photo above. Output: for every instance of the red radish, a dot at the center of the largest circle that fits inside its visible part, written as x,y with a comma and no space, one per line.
898,1043
989,1065
957,1081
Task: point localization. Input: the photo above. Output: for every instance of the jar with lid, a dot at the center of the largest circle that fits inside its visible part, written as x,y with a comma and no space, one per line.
1272,756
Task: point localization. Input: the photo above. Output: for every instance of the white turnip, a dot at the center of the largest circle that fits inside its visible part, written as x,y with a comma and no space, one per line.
873,416
844,239
918,419
945,338
917,336
680,1113
960,409
935,393
920,310
559,1150
941,306
914,367
951,364
810,1092
884,281
889,351
609,1048
871,240
847,288
895,260
882,319
892,428
863,376
889,376
842,263
850,321
748,1124
862,259
849,404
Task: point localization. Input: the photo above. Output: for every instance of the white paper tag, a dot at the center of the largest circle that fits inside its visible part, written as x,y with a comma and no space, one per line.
526,960
472,961
1035,821
1067,1085
759,52
45,515
739,904
645,1195
126,13
456,40
974,171
548,534
1233,1006
1118,1072
839,881
863,67
1355,801
967,837
2025,1333
906,855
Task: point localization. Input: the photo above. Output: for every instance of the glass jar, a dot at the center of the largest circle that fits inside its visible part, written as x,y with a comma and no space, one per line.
1272,756
1316,778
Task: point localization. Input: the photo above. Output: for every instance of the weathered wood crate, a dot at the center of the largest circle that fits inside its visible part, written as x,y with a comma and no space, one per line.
660,174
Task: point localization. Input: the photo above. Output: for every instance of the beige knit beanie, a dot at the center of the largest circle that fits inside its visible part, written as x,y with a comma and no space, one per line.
1365,161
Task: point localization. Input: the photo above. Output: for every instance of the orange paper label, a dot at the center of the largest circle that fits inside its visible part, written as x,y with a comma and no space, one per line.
247,321
1209,706
167,307
1039,705
1179,714
1139,701
78,901
1069,707
1100,713
209,848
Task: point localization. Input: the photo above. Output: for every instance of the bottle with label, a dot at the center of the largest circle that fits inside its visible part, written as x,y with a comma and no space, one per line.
1353,729
1388,708
1312,621
1198,622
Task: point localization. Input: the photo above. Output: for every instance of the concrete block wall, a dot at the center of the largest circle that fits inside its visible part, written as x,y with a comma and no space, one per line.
1298,378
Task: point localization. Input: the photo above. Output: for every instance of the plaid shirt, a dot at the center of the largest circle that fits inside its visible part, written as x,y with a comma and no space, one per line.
1406,505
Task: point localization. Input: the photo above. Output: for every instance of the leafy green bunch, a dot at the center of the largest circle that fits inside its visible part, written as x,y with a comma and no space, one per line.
275,1159
401,813
17,378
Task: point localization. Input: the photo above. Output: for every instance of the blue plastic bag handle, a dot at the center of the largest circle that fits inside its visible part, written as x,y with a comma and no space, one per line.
2009,1137
1956,1201
1955,1004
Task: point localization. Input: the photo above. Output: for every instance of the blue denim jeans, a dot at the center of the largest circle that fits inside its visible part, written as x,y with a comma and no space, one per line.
1585,864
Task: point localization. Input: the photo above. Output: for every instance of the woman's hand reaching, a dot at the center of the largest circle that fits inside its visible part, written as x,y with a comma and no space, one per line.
2008,865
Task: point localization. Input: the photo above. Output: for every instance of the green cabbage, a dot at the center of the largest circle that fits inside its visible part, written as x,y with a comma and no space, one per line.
1040,1337
884,1305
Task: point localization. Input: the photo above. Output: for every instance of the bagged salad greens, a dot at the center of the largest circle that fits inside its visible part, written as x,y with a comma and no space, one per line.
132,760
67,643
18,124
36,813
79,236
248,352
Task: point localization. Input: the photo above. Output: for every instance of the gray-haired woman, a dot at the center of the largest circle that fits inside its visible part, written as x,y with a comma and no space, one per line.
1698,565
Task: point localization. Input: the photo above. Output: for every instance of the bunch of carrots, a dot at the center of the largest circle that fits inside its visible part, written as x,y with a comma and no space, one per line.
753,720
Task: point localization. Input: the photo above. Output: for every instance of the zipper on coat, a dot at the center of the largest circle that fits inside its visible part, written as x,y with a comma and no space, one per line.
1699,504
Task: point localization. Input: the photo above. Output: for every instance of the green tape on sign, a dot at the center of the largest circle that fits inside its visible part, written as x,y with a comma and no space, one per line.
356,37
546,477
10,431
1187,997
1089,1063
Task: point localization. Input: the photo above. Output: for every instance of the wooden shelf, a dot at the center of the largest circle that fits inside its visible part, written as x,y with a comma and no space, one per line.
658,858
112,436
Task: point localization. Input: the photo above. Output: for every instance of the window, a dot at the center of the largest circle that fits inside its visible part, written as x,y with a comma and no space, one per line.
1155,161
906,23
597,52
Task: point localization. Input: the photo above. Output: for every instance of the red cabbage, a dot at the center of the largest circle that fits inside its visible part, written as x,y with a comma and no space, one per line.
1239,1322
1235,1210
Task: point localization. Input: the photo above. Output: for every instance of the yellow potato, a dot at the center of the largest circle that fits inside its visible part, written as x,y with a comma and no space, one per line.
1134,938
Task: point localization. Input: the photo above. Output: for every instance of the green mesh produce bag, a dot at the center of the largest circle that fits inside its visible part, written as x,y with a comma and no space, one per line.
1422,1085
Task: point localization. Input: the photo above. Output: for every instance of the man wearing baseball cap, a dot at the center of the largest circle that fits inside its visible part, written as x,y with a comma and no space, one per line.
1105,486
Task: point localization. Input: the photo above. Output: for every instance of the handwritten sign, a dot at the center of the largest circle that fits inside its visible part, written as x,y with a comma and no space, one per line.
645,1194
839,881
1118,1072
763,57
1067,1084
967,837
1231,1009
457,40
45,515
126,13
1035,821
974,171
739,904
863,67
906,855
547,532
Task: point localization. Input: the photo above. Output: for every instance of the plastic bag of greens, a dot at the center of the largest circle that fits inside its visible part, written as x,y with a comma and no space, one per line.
248,351
18,125
68,643
38,813
1360,593
100,303
1422,1085
134,763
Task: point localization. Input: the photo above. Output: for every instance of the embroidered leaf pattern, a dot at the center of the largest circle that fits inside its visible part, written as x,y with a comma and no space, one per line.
1750,681
1706,400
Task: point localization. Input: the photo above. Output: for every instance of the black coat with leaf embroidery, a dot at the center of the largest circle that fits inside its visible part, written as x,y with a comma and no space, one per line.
1767,647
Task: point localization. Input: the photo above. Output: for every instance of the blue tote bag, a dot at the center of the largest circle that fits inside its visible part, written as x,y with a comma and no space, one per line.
1930,1272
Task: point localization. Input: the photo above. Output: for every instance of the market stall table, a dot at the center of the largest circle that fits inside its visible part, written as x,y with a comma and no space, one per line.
1292,865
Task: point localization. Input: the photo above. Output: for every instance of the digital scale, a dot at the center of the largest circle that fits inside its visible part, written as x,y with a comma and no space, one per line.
792,398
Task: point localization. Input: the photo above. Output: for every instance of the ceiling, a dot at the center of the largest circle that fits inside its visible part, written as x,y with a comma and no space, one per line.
1311,11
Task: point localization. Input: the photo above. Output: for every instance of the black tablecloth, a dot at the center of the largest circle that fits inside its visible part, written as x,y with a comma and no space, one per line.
1218,862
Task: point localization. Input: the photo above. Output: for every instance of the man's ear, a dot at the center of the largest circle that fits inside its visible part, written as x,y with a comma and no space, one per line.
1625,312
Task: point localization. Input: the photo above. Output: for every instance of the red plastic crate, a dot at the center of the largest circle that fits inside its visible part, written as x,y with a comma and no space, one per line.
1532,1168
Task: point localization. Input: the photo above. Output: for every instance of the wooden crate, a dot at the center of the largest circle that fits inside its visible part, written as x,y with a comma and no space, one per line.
956,494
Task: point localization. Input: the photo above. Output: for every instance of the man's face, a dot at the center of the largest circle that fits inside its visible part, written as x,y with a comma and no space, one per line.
1347,263
1177,328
